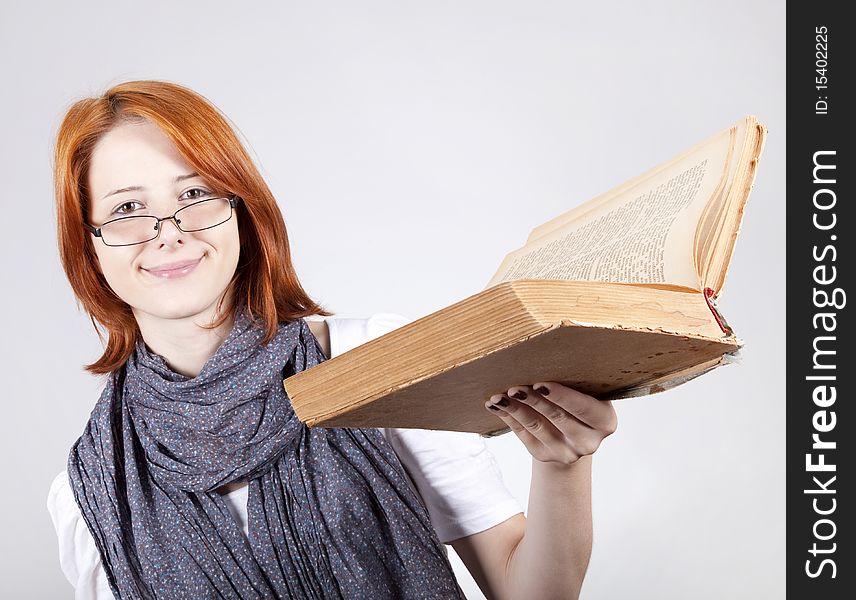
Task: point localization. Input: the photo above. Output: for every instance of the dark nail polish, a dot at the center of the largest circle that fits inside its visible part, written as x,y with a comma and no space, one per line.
502,401
542,390
492,407
519,394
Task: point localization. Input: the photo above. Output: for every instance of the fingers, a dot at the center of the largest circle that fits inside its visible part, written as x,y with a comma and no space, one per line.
558,425
598,414
526,424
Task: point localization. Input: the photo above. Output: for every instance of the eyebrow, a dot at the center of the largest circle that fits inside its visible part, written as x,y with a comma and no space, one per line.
137,188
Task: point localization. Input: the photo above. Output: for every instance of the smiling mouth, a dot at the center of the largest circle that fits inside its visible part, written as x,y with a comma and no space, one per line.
174,270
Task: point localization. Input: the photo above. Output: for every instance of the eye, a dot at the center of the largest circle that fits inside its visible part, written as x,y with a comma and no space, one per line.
120,210
196,194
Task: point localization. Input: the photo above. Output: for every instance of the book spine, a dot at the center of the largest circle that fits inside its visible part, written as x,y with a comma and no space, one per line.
710,298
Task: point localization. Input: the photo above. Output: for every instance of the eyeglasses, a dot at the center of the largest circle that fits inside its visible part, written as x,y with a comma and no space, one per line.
138,229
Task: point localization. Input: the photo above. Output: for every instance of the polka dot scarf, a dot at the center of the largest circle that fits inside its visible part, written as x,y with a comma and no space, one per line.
330,512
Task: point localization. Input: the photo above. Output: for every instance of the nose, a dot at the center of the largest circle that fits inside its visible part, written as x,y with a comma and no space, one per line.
170,234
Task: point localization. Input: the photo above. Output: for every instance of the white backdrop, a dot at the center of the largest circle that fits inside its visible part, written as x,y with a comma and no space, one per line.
410,146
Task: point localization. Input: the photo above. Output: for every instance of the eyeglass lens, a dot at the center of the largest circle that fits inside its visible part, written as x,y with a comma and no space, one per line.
196,217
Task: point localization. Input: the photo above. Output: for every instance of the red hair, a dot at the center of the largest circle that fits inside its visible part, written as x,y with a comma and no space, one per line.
265,280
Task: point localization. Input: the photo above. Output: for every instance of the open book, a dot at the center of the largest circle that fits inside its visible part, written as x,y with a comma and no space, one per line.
615,298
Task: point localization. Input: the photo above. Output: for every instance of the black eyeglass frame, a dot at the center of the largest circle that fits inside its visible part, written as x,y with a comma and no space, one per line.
96,231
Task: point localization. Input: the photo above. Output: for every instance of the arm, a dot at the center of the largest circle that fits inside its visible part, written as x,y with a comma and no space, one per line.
546,555
525,558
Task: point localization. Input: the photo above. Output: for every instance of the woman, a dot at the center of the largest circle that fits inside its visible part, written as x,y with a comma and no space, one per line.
193,478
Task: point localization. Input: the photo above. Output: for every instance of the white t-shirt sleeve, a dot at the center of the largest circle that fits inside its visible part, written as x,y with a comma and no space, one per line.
454,472
78,555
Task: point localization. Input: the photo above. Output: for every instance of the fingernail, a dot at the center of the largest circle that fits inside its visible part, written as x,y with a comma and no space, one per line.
502,401
519,394
542,390
493,407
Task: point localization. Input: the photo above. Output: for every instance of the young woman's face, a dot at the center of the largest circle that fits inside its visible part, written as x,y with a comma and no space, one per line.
139,155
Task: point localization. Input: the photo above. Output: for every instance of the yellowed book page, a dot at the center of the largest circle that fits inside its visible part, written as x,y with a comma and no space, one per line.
711,222
716,269
644,234
578,211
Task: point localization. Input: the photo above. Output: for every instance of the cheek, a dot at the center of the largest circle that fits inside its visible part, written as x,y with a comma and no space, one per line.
117,267
229,243
98,264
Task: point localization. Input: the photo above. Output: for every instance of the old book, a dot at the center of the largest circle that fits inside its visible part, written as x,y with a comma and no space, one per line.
615,298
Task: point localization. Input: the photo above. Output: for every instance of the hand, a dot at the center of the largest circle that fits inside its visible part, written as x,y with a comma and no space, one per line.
556,423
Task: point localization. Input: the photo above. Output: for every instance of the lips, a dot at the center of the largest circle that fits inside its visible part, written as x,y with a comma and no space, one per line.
173,269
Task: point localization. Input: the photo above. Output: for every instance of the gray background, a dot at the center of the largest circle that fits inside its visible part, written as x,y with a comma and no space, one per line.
411,145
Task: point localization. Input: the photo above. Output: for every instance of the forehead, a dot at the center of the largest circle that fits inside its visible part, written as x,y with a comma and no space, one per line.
133,154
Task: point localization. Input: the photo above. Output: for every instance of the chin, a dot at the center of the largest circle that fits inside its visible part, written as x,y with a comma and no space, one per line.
178,307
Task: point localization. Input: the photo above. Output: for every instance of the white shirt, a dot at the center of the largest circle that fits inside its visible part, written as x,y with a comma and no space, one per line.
453,472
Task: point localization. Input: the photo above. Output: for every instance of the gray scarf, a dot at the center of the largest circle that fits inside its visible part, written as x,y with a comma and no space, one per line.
330,511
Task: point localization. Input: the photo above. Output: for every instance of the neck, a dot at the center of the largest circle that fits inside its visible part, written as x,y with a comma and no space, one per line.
182,341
